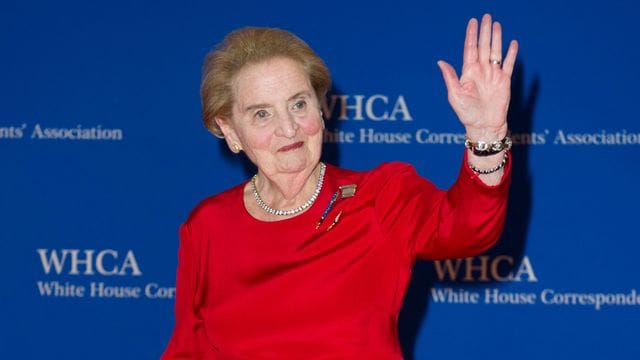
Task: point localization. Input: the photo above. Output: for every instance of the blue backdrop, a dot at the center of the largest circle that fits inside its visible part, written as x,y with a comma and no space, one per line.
103,155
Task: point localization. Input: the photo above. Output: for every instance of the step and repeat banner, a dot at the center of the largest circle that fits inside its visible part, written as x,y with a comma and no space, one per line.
103,155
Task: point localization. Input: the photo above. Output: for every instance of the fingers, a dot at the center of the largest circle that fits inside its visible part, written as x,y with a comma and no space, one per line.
470,53
487,46
496,43
510,58
450,77
484,43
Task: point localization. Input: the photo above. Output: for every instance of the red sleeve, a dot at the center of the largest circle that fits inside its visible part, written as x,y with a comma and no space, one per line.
187,339
435,224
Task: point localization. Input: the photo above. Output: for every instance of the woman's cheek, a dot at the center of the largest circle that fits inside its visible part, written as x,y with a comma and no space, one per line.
312,126
258,140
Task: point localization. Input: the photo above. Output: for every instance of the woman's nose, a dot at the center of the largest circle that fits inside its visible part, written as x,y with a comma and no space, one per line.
287,126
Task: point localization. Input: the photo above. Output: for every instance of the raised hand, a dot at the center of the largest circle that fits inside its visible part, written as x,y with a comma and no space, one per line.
480,97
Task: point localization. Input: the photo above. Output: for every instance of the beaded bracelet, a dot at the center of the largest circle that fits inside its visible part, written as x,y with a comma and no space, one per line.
493,169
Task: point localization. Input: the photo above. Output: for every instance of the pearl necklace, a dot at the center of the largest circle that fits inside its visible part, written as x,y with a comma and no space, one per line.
293,211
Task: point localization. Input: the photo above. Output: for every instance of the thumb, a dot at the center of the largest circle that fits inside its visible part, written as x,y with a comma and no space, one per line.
449,75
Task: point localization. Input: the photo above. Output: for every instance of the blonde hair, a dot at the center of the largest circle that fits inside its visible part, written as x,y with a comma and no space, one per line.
253,45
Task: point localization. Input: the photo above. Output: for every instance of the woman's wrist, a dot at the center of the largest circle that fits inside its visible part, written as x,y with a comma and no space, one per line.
487,148
488,168
486,134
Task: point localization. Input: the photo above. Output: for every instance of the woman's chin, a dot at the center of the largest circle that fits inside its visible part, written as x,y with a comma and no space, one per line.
294,165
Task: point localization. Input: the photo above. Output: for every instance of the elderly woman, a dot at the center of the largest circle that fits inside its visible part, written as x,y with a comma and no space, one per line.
306,260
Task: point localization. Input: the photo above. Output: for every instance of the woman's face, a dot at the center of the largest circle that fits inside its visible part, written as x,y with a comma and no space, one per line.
276,117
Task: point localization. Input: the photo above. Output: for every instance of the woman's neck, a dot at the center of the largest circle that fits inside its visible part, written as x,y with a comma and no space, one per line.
281,192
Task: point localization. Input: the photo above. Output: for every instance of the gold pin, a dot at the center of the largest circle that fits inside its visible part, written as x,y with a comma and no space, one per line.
345,191
335,221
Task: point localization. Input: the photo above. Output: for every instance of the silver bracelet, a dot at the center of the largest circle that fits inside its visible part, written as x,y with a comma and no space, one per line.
483,148
493,169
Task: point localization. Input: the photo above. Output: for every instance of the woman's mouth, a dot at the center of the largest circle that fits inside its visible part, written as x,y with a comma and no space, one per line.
293,146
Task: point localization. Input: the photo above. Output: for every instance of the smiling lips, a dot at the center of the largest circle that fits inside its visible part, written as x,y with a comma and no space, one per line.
293,146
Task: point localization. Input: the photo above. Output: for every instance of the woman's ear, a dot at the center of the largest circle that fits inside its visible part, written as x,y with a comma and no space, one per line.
230,136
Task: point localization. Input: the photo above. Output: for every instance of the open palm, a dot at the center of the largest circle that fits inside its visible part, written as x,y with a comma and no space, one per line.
480,97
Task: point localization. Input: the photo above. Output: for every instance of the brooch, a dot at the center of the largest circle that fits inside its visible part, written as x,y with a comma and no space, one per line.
344,191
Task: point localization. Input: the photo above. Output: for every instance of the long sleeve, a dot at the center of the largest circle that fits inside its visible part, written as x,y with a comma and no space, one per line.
187,340
435,224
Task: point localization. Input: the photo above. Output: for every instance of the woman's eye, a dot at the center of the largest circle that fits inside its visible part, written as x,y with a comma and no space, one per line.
261,114
299,105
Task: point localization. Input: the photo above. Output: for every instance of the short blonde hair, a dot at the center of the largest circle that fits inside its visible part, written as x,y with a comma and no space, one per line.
253,45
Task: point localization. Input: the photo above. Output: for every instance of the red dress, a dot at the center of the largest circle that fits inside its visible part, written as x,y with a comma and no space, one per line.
248,289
